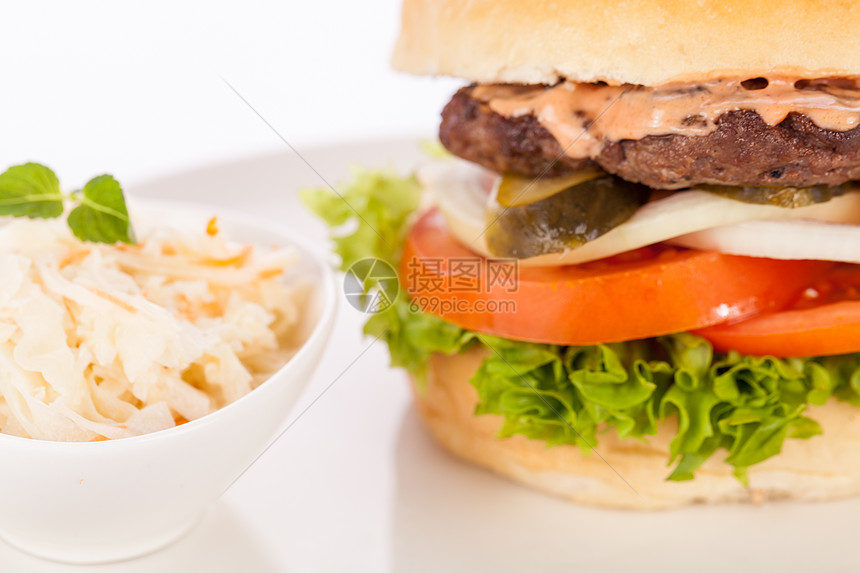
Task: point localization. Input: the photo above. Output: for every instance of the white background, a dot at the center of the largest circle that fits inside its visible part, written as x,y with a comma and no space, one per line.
134,88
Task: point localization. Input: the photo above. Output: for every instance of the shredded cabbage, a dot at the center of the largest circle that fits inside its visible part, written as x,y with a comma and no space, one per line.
105,342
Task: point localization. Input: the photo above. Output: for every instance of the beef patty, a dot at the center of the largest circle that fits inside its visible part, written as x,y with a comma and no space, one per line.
743,150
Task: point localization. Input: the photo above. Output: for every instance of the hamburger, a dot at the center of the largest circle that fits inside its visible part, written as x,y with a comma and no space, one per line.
636,286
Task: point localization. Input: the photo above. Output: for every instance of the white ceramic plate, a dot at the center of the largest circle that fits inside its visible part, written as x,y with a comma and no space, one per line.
356,484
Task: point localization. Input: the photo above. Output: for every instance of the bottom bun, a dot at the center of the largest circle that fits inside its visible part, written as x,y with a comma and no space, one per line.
823,467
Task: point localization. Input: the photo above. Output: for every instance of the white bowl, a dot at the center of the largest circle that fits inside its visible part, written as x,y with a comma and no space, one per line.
112,500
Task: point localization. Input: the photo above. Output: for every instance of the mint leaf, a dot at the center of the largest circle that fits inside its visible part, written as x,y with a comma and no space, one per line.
102,216
30,190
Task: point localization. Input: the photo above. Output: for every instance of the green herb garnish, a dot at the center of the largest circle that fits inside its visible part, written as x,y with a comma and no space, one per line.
99,216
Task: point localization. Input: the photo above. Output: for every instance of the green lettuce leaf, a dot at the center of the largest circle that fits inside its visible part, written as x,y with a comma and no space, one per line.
413,337
745,406
369,216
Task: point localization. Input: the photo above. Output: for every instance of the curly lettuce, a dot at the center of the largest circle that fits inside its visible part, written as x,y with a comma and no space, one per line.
745,405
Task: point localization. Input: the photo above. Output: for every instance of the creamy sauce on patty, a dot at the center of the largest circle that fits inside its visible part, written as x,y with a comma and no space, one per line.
582,117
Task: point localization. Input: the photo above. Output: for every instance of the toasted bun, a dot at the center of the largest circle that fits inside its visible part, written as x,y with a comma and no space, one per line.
823,467
648,42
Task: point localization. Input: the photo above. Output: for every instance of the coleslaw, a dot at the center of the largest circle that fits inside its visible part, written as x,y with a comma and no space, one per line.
105,342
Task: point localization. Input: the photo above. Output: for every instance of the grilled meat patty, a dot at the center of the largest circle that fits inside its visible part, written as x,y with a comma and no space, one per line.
743,150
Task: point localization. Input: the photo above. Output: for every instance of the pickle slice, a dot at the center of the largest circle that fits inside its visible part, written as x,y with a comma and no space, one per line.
564,220
788,197
515,190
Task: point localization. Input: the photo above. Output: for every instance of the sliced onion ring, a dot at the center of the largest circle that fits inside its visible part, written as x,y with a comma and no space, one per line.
798,240
462,191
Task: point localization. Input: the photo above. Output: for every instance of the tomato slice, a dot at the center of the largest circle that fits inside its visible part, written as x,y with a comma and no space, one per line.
648,292
825,320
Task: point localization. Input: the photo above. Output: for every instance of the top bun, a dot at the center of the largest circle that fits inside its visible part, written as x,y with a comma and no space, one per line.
646,42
